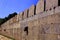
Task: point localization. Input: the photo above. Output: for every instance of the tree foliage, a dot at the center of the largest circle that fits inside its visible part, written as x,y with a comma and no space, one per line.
2,20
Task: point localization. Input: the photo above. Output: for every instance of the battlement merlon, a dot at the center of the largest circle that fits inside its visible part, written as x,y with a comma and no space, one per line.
51,4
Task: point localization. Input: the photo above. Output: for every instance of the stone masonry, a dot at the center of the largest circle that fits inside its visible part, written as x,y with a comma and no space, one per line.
39,22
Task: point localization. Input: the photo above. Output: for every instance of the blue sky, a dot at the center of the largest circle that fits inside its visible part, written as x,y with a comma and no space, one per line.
9,6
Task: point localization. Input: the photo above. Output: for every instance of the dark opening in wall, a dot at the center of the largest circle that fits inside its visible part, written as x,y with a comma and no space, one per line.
4,29
54,7
35,10
27,13
44,5
25,39
58,2
51,23
50,9
26,30
0,30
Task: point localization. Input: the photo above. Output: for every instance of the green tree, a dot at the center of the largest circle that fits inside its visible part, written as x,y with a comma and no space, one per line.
2,20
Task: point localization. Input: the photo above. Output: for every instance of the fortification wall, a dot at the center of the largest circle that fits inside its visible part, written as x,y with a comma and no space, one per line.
40,6
40,21
51,4
47,28
31,11
40,24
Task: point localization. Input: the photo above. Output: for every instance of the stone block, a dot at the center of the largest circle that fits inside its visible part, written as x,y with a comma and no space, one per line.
33,30
53,18
55,3
51,4
15,33
58,37
57,9
30,30
55,28
11,21
40,6
31,11
19,34
11,32
8,32
50,36
14,19
25,14
47,37
20,16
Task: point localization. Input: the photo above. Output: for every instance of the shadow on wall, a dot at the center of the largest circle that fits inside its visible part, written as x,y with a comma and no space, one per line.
58,2
26,30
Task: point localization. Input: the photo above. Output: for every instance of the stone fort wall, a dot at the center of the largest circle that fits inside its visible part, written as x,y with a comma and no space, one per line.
35,23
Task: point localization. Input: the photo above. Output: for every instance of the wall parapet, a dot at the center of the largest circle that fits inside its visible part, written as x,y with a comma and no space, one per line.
39,15
43,14
34,21
35,12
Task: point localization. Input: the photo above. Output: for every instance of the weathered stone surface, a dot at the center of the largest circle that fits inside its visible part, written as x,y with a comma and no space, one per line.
20,16
4,38
43,26
40,6
47,37
31,11
50,37
58,36
25,14
15,33
49,5
30,25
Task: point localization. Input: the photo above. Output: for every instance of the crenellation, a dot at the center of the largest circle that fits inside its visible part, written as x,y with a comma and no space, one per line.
39,22
20,16
31,11
57,9
17,18
25,14
51,4
40,6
